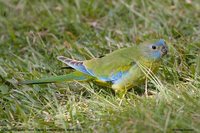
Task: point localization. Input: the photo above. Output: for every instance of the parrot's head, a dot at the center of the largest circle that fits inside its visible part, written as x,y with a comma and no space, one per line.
155,50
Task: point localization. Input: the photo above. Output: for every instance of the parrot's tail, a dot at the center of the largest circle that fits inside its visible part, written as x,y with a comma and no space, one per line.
78,76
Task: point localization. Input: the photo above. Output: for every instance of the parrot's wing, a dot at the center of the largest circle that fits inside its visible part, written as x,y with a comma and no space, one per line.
108,68
113,66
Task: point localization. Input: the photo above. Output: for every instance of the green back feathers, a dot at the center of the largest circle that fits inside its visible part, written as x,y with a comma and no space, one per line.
120,60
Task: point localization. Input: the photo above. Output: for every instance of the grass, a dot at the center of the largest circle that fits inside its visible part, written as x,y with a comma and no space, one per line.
34,33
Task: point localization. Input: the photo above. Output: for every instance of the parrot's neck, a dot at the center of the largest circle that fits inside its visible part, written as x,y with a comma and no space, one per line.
151,64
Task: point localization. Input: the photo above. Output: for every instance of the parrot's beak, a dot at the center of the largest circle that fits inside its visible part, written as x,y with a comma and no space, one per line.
164,50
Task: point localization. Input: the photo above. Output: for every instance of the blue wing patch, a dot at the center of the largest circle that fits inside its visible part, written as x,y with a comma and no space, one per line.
113,77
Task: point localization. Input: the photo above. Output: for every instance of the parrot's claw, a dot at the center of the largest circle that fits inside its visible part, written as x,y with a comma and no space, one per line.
120,93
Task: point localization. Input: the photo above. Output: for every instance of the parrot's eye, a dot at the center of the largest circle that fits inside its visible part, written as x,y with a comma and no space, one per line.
153,47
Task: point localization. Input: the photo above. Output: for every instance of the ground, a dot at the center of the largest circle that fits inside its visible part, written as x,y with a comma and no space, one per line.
34,33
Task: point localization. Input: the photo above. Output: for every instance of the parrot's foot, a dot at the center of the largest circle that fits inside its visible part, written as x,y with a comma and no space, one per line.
120,94
119,91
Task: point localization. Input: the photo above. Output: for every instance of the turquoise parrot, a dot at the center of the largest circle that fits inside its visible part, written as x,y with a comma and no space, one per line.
119,70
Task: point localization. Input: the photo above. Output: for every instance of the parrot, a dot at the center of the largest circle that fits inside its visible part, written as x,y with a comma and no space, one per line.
119,70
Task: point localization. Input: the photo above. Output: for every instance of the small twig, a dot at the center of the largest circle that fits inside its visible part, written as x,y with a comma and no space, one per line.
146,89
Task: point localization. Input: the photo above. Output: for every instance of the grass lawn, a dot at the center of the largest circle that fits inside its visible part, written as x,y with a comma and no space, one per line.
34,33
